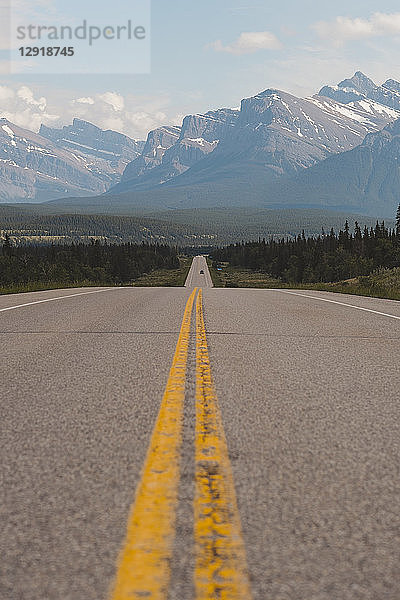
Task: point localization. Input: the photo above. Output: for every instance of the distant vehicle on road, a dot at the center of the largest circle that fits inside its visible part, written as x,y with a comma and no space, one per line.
201,272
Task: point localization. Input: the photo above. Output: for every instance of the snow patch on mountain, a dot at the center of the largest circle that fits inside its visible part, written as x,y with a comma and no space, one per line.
35,168
283,133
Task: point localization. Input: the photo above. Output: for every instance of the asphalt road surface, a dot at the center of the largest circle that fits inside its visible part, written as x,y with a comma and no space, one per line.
199,274
305,396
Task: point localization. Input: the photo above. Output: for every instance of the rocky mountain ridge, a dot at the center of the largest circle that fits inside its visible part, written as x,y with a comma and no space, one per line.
274,132
334,149
107,153
198,137
360,87
79,159
365,179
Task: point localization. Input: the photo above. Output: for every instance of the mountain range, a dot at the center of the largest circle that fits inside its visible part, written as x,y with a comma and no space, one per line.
338,149
273,133
77,160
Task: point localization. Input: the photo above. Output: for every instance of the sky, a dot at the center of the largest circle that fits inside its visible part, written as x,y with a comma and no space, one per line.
207,55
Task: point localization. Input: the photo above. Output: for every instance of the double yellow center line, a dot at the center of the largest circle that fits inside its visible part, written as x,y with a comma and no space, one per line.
144,564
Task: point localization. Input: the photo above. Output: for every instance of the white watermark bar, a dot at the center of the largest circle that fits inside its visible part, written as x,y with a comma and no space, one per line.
75,37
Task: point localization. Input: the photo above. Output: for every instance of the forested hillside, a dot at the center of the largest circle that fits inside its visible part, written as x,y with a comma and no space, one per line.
26,227
93,263
193,227
325,258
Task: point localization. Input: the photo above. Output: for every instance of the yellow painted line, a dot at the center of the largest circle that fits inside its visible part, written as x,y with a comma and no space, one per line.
221,570
143,570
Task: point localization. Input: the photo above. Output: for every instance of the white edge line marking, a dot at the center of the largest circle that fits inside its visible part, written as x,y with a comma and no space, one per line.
341,303
59,298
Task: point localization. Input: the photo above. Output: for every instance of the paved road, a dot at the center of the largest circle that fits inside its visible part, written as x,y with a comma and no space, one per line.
308,386
195,277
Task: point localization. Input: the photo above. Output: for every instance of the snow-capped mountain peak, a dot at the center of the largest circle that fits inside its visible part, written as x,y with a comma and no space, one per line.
78,159
361,87
282,132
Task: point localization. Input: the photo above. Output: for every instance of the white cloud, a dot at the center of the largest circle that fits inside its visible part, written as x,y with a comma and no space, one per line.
113,99
26,94
344,29
249,42
27,119
87,100
132,115
146,121
113,123
22,107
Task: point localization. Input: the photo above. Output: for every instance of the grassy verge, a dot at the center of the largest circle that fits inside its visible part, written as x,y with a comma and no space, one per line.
382,283
166,277
216,276
243,278
158,278
35,286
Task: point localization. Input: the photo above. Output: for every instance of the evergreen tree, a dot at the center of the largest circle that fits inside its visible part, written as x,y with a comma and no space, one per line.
398,221
7,245
76,263
332,257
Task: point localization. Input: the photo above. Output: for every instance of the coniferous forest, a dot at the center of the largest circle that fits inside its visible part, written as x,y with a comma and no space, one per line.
93,263
326,258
